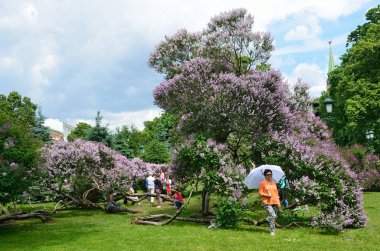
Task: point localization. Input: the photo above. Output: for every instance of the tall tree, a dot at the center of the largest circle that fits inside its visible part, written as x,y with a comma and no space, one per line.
40,130
228,40
121,142
355,86
156,152
80,131
99,133
213,88
18,147
230,111
158,136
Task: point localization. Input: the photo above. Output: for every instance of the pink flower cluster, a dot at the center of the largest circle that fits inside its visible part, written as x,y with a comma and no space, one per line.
65,162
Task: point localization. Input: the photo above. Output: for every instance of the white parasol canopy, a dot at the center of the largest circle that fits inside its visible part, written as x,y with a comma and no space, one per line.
255,177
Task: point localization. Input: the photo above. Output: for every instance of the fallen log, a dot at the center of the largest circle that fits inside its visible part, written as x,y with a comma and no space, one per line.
43,215
23,216
155,219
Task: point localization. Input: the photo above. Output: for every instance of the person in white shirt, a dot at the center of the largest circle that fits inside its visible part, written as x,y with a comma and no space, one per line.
150,186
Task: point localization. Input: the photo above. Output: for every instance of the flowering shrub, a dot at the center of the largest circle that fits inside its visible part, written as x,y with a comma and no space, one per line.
212,87
318,176
365,164
370,180
211,164
72,168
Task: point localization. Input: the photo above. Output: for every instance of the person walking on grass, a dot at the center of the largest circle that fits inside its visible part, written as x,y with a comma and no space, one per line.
270,199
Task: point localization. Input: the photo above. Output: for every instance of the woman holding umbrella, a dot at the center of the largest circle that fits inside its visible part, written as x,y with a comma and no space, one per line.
270,199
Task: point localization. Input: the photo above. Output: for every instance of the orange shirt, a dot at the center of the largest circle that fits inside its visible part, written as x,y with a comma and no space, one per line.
267,188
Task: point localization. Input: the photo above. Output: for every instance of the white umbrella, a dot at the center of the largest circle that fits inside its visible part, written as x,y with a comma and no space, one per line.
255,177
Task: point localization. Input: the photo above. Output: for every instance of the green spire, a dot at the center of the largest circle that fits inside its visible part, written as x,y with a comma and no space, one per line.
331,59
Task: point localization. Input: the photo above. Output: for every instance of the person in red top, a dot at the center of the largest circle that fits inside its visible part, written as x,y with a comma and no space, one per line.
178,200
270,199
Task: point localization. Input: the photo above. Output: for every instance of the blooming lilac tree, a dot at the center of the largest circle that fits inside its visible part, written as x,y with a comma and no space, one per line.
223,104
212,87
317,172
211,164
228,40
73,169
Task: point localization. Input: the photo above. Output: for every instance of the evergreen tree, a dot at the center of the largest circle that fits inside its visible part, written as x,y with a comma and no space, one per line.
121,142
99,133
40,130
156,152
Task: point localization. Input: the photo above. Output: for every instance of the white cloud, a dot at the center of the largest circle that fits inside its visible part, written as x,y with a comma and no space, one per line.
57,49
277,62
7,63
29,12
54,124
312,74
114,120
310,45
305,33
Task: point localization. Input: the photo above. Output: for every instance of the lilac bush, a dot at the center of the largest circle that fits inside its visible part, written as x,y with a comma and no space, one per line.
228,40
222,103
218,86
72,168
317,173
210,164
365,164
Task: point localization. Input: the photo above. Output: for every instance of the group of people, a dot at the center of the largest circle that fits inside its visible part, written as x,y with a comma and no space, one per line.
268,192
154,185
162,185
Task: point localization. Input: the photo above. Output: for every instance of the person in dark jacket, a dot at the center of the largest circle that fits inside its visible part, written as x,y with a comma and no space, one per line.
157,190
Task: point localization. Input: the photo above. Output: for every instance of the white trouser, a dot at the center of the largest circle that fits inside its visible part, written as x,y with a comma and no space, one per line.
151,190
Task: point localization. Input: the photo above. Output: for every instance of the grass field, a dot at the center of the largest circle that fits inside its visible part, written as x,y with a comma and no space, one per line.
96,230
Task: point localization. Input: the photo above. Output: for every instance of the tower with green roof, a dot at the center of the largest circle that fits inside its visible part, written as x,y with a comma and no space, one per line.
331,59
331,64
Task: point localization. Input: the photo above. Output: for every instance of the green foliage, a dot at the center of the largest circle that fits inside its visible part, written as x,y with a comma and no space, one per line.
20,108
40,131
160,128
373,16
157,137
18,147
228,213
99,133
194,158
80,131
156,152
355,86
122,141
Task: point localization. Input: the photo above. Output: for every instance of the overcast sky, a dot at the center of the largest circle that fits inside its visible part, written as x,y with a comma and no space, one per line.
75,57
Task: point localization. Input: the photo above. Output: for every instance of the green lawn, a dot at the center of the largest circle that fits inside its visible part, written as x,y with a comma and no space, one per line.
96,230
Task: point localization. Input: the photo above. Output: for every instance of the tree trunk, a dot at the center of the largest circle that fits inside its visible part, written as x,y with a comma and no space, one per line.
155,219
44,216
205,202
